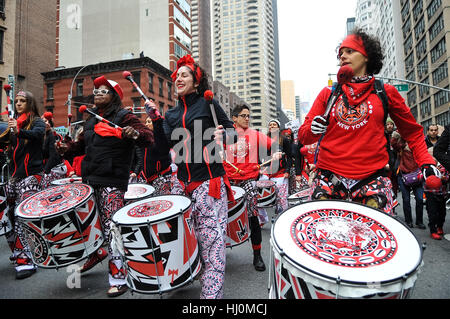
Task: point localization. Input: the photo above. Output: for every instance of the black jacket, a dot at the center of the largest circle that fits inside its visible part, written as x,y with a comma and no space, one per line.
27,157
441,150
51,157
189,128
157,157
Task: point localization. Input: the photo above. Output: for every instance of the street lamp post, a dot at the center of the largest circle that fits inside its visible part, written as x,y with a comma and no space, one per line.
69,100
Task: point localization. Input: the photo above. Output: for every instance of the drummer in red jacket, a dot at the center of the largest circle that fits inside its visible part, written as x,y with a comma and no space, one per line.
242,166
352,151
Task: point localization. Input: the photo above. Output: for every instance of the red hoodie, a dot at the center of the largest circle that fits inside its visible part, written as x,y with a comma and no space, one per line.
354,145
245,154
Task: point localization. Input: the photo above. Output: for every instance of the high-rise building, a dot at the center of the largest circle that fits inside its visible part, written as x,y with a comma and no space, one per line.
27,45
350,25
426,41
288,98
388,29
364,15
91,32
244,54
201,34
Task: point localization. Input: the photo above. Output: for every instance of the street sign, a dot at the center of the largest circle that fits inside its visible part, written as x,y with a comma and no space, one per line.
402,87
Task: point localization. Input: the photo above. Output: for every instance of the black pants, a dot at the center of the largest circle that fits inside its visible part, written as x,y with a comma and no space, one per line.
436,210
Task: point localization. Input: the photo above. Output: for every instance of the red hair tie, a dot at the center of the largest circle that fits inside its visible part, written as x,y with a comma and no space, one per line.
188,61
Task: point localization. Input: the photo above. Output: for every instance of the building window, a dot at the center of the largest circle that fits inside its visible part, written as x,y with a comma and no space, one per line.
137,79
2,38
441,98
440,74
79,88
443,119
150,82
169,90
137,106
50,91
161,87
161,108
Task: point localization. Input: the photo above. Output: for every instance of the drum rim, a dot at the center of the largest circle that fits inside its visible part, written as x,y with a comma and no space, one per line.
316,274
80,203
66,178
155,221
150,187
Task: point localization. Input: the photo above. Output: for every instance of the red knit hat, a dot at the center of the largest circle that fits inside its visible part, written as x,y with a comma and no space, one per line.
354,42
111,84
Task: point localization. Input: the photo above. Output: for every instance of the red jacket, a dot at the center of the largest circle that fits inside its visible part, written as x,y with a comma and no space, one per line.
246,153
354,145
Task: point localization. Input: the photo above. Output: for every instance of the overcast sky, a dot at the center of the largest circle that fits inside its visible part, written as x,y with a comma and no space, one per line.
309,32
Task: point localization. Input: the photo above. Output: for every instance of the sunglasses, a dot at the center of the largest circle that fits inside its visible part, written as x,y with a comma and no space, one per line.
102,91
244,116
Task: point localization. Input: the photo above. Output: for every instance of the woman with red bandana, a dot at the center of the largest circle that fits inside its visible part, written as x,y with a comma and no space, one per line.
26,137
191,131
352,151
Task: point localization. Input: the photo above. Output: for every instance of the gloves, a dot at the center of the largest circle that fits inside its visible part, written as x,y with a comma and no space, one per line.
430,170
152,112
319,125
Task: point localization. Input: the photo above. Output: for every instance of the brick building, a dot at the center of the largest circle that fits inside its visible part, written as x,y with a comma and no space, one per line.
152,78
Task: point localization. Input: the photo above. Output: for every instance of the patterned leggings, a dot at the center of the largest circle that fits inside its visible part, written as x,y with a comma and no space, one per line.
210,216
109,200
17,191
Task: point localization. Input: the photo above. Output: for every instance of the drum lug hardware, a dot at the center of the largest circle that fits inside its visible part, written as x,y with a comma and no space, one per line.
338,283
424,246
404,278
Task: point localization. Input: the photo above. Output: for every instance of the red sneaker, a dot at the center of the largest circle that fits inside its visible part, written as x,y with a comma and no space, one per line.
436,236
440,231
93,260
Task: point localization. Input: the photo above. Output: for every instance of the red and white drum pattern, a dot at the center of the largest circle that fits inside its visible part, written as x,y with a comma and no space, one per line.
238,227
61,225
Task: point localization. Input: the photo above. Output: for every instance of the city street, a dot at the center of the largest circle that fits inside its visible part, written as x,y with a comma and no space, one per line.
242,281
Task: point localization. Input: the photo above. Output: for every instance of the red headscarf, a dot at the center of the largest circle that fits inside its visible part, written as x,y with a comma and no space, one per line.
354,42
188,61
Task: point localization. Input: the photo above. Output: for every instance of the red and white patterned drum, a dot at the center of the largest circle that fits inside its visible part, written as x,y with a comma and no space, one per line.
158,238
61,225
138,191
267,194
69,180
299,197
339,249
238,228
5,222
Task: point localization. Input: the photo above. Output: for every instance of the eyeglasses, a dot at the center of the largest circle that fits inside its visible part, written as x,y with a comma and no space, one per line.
244,116
102,91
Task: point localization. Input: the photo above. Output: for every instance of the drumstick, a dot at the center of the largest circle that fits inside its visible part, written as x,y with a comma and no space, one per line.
241,172
127,75
84,108
268,162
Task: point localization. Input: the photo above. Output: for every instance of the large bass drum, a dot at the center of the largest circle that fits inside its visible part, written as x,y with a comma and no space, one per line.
339,249
61,225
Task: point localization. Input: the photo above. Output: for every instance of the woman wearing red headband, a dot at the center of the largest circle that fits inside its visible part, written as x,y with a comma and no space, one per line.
352,151
190,129
26,165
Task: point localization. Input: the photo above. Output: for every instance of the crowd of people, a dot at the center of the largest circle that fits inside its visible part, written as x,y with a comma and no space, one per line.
365,150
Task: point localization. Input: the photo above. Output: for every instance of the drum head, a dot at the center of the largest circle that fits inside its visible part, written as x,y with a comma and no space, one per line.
137,191
238,192
151,210
348,241
69,180
54,200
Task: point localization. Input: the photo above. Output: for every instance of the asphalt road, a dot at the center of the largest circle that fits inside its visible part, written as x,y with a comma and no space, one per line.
242,281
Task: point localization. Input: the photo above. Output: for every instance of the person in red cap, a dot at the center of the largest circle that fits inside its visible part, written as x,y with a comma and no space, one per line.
352,147
25,136
192,132
106,166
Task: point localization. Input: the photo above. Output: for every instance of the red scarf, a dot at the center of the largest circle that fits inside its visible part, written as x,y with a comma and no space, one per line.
22,119
358,92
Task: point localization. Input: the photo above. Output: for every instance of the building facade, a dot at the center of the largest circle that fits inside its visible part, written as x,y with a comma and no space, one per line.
426,41
153,78
244,54
91,32
7,46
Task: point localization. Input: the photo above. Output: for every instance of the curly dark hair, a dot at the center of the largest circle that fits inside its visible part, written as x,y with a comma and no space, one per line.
203,84
374,51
